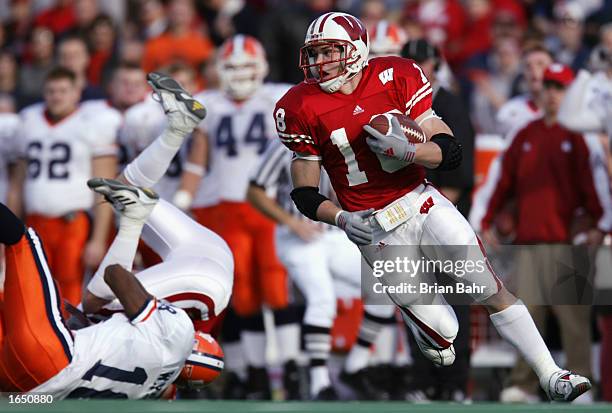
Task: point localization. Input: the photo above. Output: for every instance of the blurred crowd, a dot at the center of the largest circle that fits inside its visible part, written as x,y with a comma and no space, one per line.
479,50
482,40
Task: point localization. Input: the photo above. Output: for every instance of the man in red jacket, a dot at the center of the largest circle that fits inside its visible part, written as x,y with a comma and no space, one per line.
551,172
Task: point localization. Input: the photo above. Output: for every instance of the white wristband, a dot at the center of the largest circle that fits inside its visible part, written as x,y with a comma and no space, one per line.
182,199
338,216
194,168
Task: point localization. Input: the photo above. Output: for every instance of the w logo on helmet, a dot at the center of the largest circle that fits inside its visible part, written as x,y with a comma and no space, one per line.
353,27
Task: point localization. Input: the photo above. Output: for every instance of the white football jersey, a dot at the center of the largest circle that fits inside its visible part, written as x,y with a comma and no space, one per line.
122,359
238,135
587,105
60,154
9,150
515,114
143,123
599,99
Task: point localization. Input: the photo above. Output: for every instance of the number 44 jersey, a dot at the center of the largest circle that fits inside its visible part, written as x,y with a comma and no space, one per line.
126,359
238,133
329,127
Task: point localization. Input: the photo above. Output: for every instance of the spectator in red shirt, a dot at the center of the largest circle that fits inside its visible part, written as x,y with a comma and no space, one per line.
440,20
477,36
180,43
101,37
564,183
60,18
550,172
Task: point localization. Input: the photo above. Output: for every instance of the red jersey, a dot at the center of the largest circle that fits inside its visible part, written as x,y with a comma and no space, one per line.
550,171
329,127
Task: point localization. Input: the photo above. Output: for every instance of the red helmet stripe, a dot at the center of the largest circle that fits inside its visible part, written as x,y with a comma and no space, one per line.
250,46
323,20
228,49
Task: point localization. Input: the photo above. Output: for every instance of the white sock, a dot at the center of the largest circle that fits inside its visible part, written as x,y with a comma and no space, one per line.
319,379
288,339
122,251
516,326
152,163
372,322
254,347
358,358
384,347
234,358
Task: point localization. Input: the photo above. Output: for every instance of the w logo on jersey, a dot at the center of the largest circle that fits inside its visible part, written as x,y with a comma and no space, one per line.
353,27
386,76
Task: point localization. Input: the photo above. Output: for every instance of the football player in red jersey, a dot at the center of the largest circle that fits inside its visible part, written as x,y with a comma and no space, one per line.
379,182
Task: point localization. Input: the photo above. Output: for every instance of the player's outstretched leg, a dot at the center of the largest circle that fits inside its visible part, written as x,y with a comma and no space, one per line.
515,325
36,344
134,204
446,226
184,113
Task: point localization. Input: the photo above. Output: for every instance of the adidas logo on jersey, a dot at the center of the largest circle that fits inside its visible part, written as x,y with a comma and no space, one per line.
358,109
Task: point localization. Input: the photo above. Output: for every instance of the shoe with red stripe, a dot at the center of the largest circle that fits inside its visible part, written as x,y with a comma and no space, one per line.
565,385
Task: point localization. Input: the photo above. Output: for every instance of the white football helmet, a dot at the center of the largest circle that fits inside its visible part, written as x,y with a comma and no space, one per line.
387,39
334,38
242,66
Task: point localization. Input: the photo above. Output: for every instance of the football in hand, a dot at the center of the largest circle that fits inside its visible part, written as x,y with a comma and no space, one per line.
412,130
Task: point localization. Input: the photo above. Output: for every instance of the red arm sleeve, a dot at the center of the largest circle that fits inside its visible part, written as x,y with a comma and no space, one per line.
505,185
293,130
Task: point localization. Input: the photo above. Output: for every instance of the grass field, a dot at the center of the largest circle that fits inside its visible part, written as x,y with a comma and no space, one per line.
201,406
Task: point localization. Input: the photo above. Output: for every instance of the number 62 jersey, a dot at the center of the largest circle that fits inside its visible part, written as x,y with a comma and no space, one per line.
126,359
59,156
329,128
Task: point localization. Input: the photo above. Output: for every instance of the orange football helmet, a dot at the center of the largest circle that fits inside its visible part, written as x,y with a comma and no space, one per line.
242,66
204,364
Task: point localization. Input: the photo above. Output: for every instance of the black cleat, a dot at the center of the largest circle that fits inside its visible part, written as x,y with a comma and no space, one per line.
291,381
362,385
233,388
258,384
326,394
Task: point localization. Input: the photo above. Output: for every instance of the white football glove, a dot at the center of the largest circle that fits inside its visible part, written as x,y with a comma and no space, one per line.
394,144
356,226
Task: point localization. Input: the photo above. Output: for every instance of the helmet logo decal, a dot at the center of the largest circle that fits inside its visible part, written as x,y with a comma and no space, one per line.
353,27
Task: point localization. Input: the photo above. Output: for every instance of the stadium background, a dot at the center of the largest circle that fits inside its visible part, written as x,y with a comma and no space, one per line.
481,40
